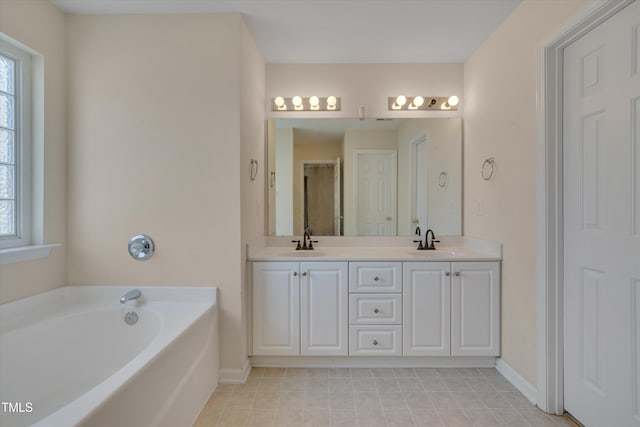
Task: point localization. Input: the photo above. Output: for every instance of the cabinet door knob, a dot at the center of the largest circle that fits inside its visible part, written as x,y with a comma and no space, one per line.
304,274
376,278
295,273
375,342
457,273
447,274
376,311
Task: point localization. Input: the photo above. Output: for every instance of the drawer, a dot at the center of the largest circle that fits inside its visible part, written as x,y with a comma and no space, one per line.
375,309
377,277
375,340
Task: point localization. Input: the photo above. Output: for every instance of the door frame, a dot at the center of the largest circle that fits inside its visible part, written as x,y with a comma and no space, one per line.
549,200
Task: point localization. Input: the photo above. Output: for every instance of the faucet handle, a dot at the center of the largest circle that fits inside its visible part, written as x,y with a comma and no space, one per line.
419,242
298,247
311,242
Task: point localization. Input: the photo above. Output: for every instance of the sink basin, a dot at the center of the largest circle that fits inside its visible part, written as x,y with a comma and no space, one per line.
302,254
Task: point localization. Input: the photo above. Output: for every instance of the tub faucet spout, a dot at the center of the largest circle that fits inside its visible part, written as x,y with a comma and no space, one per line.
132,294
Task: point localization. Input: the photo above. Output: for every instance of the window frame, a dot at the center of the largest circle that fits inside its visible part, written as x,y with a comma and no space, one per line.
23,144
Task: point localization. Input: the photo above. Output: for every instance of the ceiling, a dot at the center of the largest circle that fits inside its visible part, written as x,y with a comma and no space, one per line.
342,31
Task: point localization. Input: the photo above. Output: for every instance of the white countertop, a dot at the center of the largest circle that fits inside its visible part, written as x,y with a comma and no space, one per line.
378,249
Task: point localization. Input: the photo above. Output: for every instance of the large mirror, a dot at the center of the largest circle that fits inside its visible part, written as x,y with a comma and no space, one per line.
373,177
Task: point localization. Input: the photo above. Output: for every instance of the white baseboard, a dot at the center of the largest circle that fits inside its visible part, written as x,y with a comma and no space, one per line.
235,376
373,362
517,380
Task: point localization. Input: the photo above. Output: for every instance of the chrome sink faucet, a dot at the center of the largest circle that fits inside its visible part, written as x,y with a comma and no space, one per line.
132,294
428,242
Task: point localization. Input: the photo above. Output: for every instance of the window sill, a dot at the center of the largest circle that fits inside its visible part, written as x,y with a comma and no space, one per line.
26,253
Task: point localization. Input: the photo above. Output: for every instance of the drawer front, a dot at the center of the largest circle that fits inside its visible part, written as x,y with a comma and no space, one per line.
378,277
375,309
375,340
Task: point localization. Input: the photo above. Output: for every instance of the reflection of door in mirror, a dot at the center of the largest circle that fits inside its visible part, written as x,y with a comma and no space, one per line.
419,184
320,197
375,192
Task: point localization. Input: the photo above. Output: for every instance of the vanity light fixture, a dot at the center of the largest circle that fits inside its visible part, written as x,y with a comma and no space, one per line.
423,103
300,103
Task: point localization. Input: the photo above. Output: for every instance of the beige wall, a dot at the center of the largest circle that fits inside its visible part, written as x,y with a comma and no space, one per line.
252,146
156,147
41,27
500,122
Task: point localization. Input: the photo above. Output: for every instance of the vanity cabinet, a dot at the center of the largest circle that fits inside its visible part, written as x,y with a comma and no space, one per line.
426,309
475,308
375,308
276,308
451,308
300,308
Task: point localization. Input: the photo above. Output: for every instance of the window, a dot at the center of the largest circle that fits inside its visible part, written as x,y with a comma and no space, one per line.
15,146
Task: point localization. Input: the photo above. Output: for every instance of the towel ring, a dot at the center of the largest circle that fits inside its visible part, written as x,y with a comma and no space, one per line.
488,170
253,169
443,179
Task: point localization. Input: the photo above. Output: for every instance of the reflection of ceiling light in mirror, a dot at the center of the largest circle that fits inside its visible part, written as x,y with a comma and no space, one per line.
453,100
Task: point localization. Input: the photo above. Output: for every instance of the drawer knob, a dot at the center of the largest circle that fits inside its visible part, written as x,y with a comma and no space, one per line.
304,274
376,311
295,273
457,273
375,342
376,278
447,274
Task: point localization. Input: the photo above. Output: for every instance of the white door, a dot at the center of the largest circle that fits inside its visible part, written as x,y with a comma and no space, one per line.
276,308
375,192
475,309
602,223
426,309
324,311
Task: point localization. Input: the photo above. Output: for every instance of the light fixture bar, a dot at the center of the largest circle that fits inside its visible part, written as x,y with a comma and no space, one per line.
300,103
423,103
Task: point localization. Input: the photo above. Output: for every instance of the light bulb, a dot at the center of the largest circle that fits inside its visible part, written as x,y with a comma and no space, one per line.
418,101
279,101
453,100
314,101
401,100
296,101
332,101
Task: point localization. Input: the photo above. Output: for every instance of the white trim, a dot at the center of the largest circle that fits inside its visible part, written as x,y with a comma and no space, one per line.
26,253
549,212
235,376
374,361
517,380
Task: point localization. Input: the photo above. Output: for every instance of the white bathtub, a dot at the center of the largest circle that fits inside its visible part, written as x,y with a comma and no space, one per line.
67,357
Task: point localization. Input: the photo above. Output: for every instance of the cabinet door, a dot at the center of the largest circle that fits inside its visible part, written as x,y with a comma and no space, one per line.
426,309
276,308
475,309
324,301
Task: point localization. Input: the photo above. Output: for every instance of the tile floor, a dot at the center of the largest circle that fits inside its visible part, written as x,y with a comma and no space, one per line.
363,397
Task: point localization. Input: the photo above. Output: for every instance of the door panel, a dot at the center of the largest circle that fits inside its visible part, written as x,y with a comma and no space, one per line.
601,239
375,193
324,323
